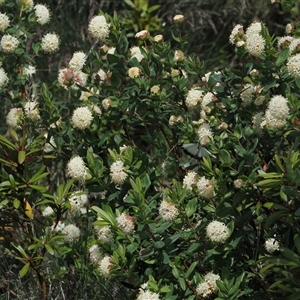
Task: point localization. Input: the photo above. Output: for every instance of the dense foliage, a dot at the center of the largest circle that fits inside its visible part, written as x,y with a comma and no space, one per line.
131,173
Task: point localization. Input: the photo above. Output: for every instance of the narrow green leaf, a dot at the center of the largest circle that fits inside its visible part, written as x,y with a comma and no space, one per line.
190,269
24,270
5,142
49,249
182,283
21,156
130,3
175,272
279,163
40,188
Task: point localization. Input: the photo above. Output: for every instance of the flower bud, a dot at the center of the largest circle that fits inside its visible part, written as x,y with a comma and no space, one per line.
158,38
134,72
142,35
175,73
178,19
178,56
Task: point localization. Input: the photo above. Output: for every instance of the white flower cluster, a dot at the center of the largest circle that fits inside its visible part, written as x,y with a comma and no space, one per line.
4,21
136,52
205,134
99,28
134,72
247,94
72,233
194,96
82,117
294,45
190,180
125,222
173,120
50,43
69,78
51,145
3,78
145,294
58,227
76,168
284,42
9,43
117,172
95,254
237,35
238,183
48,211
105,265
77,61
31,110
276,114
293,65
103,76
207,99
209,286
253,41
29,71
217,232
271,245
168,211
205,188
42,14
104,234
78,201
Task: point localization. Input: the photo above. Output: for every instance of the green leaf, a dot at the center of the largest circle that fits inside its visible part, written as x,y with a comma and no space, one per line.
282,56
49,249
40,188
279,163
130,3
38,175
291,255
182,283
159,244
191,207
295,296
225,158
24,270
175,272
16,203
175,36
190,269
5,142
287,5
269,183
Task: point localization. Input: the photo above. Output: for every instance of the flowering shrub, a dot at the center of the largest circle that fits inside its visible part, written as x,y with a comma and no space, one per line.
98,187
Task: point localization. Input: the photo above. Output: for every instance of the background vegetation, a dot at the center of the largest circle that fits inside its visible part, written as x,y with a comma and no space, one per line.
171,255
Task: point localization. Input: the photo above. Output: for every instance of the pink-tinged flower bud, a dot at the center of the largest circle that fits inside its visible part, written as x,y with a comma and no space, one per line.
142,35
223,126
178,19
68,77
